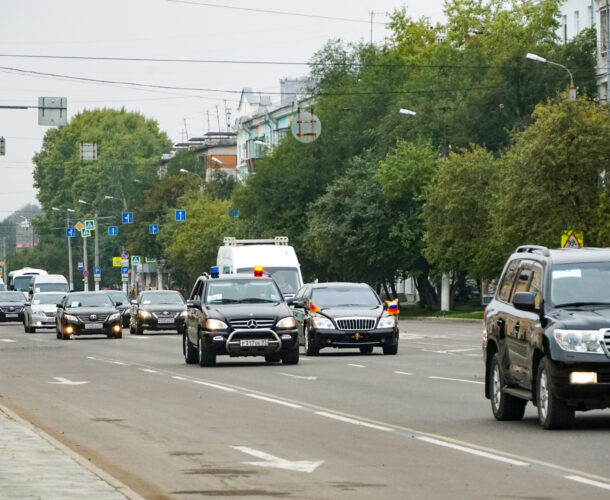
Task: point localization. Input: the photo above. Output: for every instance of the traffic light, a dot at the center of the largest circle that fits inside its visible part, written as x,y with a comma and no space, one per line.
2,146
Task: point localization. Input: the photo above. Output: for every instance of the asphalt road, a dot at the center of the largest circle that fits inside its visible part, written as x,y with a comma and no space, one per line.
340,425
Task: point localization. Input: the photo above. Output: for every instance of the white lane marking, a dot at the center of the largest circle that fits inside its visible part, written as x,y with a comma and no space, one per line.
357,366
311,377
473,451
215,386
7,340
93,358
458,380
65,381
402,373
353,421
590,482
118,363
139,337
148,370
272,400
463,350
277,462
304,359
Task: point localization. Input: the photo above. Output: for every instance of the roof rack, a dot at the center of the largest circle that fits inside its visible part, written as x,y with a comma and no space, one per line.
230,241
534,249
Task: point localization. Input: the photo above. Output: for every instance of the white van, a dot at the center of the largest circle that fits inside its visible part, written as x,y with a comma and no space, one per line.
19,279
49,283
276,256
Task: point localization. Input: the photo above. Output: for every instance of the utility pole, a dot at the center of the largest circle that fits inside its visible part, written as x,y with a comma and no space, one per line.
86,268
96,277
70,270
372,14
218,118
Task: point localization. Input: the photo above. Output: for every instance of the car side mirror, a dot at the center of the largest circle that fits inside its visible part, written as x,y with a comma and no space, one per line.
59,306
524,301
27,303
134,302
193,303
117,304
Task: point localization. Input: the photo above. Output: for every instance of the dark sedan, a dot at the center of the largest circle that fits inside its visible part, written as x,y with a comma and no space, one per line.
88,313
122,305
157,310
343,315
11,306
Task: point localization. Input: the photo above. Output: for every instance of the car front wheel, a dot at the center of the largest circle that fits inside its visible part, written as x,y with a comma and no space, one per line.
504,406
206,358
552,412
189,350
311,348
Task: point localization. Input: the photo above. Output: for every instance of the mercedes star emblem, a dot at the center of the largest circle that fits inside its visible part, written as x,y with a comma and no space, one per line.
252,323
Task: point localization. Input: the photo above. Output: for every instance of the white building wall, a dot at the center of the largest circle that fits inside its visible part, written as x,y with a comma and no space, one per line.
603,47
575,16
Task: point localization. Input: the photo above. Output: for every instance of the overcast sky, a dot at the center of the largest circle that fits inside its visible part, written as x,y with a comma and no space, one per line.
159,29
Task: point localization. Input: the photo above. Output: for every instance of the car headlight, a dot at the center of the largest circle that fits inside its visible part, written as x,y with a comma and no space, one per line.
114,317
38,314
184,314
215,324
70,317
387,322
286,323
578,340
322,322
145,314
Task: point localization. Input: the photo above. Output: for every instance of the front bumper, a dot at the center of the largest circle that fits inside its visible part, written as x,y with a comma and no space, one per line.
107,328
250,342
152,323
11,316
352,339
46,322
581,396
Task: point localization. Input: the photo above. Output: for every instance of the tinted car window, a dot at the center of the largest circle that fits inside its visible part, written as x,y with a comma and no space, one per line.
118,297
12,297
287,278
506,284
162,298
52,287
55,298
86,300
338,296
582,282
254,290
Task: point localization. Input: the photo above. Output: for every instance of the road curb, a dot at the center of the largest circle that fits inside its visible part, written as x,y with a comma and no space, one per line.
120,487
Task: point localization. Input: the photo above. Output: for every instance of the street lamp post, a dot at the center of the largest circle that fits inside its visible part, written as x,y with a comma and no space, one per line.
70,270
185,171
536,58
85,264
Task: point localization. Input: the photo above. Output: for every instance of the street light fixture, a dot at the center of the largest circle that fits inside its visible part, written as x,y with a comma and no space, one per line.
536,58
185,171
216,160
83,202
404,111
262,143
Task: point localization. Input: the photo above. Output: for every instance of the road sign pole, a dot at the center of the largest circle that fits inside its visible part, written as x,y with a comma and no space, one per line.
85,278
96,278
70,271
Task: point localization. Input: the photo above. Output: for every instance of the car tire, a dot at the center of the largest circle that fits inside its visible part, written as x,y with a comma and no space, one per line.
57,332
189,350
205,357
367,349
65,336
139,329
32,329
390,349
273,358
132,330
311,348
291,357
552,412
503,406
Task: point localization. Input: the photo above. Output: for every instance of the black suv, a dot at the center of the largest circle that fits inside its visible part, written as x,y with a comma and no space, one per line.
343,315
238,315
547,335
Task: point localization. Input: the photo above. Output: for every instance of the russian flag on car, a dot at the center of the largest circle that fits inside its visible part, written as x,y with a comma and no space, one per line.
313,308
393,306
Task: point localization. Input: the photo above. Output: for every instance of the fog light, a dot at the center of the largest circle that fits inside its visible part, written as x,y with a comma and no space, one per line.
218,337
286,336
583,378
117,328
69,329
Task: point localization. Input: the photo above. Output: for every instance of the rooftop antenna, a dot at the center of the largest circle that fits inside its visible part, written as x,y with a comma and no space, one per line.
218,117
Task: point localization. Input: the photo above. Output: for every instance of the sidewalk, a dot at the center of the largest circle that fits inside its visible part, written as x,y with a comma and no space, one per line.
33,465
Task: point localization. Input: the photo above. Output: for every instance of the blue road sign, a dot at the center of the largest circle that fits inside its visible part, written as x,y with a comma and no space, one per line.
127,218
135,260
229,210
153,229
180,215
236,213
124,270
90,225
113,230
80,266
97,271
124,255
70,232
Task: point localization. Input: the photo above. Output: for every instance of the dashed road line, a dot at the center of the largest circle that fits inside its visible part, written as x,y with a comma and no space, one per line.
402,373
273,400
355,365
457,380
590,482
353,421
301,377
148,370
473,451
7,340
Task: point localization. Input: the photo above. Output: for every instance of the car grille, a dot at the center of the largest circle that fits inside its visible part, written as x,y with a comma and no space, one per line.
242,324
606,342
86,318
356,323
15,310
170,315
603,378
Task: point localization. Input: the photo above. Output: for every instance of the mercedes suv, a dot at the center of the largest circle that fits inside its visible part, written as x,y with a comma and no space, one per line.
547,335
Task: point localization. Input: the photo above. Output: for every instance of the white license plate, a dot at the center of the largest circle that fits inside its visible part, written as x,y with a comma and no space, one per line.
253,343
166,320
10,315
94,326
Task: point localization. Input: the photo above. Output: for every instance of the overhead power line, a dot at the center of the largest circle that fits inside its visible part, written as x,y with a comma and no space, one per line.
278,12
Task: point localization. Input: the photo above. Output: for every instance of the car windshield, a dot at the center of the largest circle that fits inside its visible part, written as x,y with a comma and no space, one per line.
89,300
51,298
118,297
287,278
242,291
344,296
22,283
52,287
12,297
580,284
161,298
